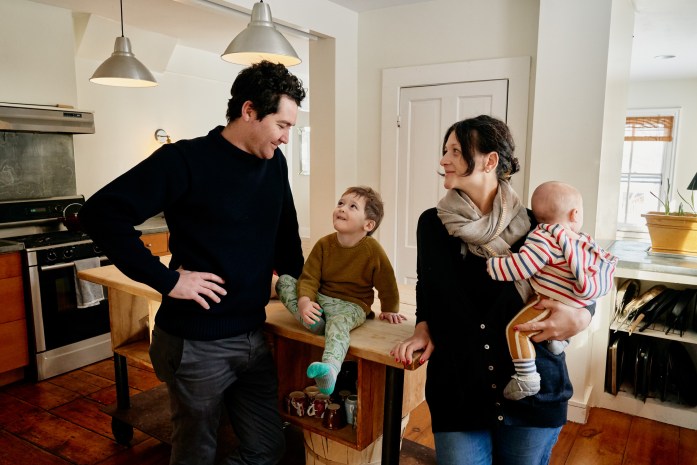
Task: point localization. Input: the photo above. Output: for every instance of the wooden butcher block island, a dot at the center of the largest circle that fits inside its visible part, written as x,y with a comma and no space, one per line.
387,391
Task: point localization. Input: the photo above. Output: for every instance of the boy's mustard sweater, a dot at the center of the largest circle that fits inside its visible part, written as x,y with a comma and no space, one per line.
350,273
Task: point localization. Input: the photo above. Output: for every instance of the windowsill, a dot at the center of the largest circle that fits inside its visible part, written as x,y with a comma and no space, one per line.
633,236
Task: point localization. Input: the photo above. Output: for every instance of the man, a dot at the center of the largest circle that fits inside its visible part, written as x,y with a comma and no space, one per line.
232,222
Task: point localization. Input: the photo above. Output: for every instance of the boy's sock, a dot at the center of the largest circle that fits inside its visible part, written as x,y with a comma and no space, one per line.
316,327
324,375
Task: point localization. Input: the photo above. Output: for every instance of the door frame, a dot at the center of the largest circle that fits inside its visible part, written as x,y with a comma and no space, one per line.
516,70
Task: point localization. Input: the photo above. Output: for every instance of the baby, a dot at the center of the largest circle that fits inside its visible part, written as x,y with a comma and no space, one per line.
335,290
561,263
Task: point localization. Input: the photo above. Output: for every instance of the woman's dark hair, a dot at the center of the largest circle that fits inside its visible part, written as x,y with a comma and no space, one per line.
263,84
485,134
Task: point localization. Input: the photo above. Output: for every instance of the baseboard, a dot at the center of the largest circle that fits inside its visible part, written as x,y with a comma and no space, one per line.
579,408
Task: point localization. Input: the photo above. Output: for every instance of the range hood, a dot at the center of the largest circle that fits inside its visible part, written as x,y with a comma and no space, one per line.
25,118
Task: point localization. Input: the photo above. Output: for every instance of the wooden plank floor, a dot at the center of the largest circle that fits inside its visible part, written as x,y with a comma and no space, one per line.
59,422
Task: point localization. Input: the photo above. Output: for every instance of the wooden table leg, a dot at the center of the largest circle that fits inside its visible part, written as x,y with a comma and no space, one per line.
392,422
123,432
123,399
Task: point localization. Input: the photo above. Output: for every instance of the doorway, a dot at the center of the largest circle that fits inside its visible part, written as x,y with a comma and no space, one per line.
419,104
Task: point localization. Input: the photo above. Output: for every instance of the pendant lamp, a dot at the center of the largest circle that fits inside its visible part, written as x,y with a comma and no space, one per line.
122,68
260,41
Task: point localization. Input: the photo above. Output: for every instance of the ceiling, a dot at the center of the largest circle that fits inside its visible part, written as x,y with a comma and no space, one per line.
662,27
365,5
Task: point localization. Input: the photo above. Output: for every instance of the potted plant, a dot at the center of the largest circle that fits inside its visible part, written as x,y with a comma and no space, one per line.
673,232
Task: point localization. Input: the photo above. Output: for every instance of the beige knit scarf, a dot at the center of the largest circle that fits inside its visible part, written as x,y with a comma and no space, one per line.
485,235
488,235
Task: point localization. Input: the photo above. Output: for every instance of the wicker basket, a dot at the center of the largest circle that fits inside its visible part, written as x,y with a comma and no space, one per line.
320,450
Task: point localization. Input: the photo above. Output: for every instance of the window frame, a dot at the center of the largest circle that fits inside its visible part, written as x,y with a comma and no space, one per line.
630,230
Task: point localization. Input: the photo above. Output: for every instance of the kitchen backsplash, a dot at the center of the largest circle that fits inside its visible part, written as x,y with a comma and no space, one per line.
36,165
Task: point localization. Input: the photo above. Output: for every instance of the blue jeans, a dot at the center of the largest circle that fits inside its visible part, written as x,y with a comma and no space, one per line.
504,445
203,377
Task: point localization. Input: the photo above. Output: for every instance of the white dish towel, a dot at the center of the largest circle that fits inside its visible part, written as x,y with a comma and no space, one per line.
88,294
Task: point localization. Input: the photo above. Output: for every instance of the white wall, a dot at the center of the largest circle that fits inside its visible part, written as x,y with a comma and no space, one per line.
184,105
439,31
36,52
674,94
580,101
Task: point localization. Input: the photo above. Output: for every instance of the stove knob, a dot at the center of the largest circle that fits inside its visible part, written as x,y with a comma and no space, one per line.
69,253
97,249
51,255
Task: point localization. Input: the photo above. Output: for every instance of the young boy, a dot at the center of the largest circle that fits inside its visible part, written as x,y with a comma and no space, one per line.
562,263
335,290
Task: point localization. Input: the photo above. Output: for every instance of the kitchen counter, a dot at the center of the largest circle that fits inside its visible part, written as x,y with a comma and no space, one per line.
153,225
388,390
636,256
372,341
10,246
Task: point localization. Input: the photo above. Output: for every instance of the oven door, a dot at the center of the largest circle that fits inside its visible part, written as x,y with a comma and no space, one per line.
58,321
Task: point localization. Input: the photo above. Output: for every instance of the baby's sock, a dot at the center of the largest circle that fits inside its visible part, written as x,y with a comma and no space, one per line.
324,375
525,367
525,382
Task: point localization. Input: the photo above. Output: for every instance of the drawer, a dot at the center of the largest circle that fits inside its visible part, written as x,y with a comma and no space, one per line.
12,298
14,352
10,265
157,243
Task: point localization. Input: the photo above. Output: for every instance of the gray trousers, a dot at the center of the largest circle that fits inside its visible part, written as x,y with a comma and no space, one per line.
203,377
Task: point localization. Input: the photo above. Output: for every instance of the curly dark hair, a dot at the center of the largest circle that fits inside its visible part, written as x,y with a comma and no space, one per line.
486,134
263,84
374,207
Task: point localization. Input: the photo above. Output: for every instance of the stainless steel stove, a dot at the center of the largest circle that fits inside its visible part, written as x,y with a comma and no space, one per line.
67,333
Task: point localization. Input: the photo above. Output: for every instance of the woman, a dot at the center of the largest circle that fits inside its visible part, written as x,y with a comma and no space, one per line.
462,313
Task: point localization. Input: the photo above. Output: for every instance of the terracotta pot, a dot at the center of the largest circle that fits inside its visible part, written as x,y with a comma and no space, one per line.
673,234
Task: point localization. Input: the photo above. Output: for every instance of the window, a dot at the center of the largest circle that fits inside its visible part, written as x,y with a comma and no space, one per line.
647,163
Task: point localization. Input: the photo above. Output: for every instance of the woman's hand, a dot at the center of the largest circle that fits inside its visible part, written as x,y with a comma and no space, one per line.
562,323
421,340
310,311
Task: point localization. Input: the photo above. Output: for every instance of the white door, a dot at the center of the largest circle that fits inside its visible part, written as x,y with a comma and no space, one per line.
425,113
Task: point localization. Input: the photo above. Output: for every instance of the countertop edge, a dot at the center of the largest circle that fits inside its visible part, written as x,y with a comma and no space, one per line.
10,247
156,224
636,255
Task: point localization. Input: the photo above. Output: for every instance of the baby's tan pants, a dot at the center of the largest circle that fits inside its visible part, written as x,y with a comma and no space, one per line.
519,344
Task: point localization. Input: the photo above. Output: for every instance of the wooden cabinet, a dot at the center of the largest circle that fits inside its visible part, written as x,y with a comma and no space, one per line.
158,243
633,396
292,357
14,351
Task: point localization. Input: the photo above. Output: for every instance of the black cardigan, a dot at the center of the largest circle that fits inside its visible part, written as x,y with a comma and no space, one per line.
228,213
467,313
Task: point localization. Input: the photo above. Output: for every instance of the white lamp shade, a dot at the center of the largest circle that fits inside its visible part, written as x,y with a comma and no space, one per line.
123,69
261,41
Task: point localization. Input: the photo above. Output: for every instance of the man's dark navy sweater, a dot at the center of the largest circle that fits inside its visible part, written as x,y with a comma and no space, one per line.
228,213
